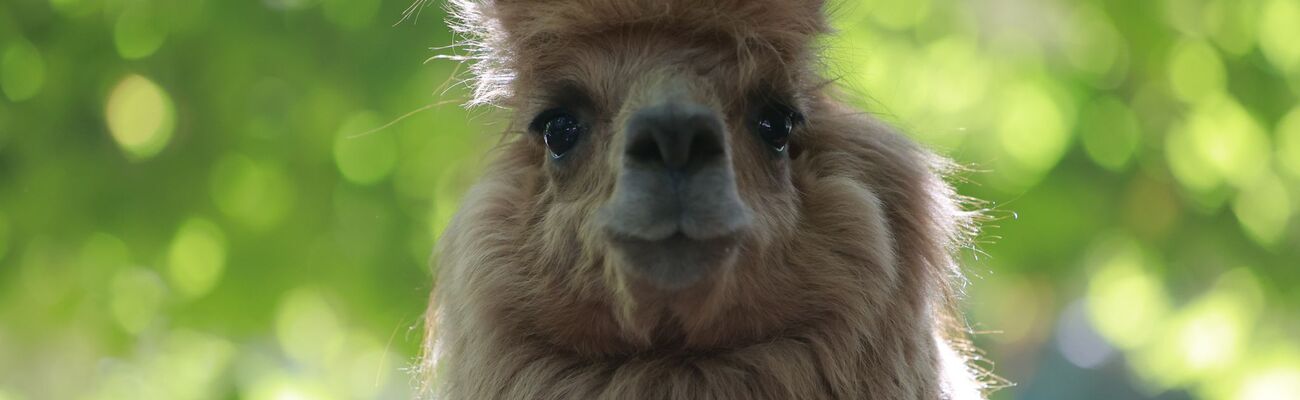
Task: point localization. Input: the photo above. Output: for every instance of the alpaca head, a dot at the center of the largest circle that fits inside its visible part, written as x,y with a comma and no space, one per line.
665,179
666,127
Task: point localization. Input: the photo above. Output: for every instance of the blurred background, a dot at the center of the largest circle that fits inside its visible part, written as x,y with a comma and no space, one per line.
208,199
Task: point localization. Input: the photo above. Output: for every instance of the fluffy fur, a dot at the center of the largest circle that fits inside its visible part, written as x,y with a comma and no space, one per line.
844,288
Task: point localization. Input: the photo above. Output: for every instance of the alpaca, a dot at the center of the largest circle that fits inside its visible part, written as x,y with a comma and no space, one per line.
682,209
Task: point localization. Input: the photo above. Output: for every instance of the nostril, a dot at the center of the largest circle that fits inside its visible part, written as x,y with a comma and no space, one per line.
643,148
705,145
674,136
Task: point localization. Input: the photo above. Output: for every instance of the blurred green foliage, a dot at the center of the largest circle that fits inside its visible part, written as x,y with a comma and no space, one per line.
204,199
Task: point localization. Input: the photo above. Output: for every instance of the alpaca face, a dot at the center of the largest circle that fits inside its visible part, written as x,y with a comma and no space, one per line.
653,192
680,147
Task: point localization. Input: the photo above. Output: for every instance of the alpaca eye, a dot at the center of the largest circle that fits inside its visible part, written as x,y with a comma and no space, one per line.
559,129
774,125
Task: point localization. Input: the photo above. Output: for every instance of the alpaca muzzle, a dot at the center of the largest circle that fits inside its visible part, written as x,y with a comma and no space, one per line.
675,214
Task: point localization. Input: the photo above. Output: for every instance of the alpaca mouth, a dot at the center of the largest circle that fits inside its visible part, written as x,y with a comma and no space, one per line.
677,261
673,244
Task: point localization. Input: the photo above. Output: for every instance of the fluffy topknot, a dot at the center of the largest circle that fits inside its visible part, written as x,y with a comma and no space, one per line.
497,36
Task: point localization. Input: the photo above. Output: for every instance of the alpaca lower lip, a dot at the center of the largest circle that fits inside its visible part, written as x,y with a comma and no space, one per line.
675,262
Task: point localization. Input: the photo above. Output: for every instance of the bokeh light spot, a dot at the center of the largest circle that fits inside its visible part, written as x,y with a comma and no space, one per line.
1208,339
1195,71
1077,341
1232,24
137,298
1264,209
196,257
1093,45
1208,336
363,155
1110,132
1272,383
308,328
139,31
1278,31
255,194
1186,163
1184,16
370,368
22,70
140,117
1032,130
1125,301
949,81
1219,142
190,365
287,388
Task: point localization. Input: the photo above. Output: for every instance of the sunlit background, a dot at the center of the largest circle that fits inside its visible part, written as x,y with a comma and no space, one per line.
207,199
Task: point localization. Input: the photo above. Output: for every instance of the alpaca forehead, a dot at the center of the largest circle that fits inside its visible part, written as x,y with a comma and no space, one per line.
511,39
636,64
773,19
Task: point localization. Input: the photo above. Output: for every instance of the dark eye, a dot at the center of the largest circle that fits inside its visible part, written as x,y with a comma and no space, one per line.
774,124
559,129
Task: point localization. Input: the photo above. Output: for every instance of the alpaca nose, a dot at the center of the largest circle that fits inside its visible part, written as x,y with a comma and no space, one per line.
676,178
675,214
675,136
